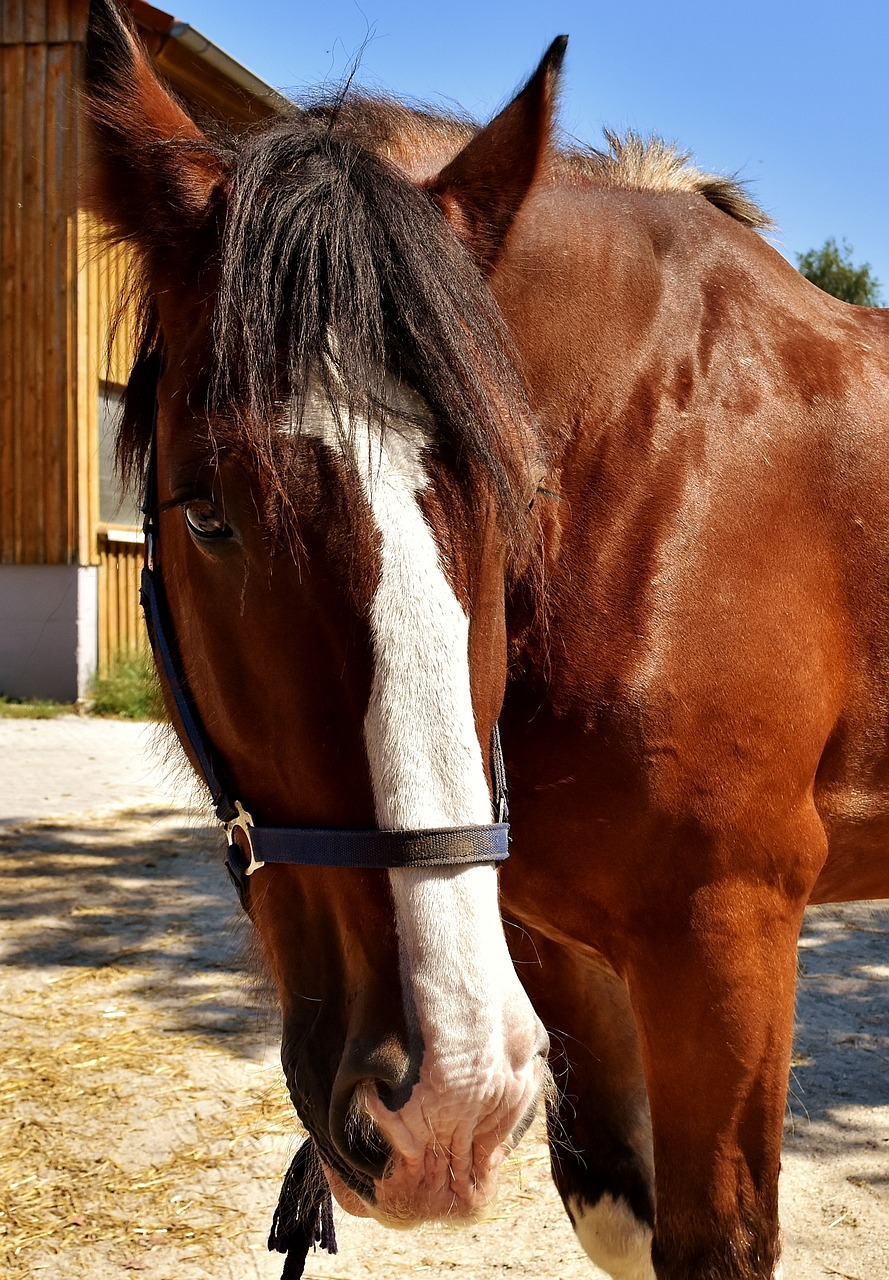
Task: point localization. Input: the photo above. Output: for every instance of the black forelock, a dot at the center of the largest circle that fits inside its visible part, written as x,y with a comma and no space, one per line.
338,272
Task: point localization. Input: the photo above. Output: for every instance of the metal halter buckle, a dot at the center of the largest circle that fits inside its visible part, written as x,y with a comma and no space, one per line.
243,822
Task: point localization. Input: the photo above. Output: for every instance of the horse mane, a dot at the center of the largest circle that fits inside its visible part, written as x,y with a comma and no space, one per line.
635,163
629,161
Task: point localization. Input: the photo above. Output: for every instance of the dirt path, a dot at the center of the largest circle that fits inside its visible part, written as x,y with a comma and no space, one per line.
145,1129
83,764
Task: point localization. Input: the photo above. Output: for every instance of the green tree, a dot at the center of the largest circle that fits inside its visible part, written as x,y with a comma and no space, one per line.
832,269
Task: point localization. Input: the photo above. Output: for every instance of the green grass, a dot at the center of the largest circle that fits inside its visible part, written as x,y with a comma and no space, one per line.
128,691
17,709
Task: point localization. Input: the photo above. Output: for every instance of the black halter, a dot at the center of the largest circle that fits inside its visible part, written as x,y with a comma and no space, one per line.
448,847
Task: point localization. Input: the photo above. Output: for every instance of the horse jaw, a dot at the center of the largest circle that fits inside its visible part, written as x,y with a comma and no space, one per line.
483,1046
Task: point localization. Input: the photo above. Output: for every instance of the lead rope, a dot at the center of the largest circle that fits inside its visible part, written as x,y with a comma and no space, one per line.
304,1216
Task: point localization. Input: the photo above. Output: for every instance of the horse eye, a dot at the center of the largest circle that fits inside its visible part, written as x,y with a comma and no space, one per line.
205,520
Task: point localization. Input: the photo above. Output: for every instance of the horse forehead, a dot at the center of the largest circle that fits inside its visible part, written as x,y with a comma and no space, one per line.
389,448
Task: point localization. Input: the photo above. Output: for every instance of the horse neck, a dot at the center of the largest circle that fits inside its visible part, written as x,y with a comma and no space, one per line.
610,346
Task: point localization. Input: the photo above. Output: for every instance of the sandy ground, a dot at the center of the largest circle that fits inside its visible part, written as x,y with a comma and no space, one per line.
144,1127
78,764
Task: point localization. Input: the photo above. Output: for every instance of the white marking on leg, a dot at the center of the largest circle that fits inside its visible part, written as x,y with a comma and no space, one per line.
613,1237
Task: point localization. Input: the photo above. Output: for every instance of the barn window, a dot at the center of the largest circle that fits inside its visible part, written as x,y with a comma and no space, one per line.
116,507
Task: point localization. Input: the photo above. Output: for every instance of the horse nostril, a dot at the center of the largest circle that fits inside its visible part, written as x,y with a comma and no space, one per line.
388,1067
354,1134
385,1069
393,1095
352,1129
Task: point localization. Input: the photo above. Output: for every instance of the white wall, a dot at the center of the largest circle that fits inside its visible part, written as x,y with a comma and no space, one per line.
48,630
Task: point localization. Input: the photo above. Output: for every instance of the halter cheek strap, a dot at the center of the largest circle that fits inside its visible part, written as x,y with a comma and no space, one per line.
305,846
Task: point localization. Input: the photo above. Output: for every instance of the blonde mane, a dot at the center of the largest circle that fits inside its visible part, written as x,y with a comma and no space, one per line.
421,141
651,164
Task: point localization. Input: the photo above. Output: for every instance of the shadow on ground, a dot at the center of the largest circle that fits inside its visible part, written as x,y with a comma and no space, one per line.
841,1045
141,895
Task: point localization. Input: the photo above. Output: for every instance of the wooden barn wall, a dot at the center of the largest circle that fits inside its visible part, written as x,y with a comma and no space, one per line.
43,21
60,287
58,290
39,57
121,628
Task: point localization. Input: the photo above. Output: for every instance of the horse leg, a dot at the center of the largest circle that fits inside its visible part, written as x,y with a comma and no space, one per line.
599,1131
712,988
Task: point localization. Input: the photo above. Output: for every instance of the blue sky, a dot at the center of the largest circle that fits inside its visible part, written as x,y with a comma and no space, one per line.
791,96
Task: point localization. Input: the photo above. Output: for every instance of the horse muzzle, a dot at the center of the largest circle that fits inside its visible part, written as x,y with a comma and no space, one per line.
446,1150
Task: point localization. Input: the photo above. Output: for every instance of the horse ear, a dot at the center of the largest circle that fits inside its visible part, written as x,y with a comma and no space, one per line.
152,171
481,190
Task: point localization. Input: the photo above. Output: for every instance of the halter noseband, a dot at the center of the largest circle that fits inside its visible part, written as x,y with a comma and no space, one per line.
306,846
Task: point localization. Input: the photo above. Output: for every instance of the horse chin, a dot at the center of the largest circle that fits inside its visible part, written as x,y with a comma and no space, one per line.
403,1201
345,1197
435,1187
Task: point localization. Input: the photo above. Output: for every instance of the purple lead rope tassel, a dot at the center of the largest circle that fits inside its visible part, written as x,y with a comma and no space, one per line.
304,1216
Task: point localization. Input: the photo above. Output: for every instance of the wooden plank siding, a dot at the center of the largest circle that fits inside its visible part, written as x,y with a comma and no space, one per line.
61,288
12,113
42,21
38,427
57,292
121,629
12,21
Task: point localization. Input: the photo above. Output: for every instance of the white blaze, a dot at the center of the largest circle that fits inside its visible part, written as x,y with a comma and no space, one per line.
478,1029
425,760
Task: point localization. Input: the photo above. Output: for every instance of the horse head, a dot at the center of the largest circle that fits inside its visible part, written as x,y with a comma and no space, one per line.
344,456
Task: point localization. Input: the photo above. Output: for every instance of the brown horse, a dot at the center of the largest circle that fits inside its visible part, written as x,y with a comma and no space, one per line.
454,425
